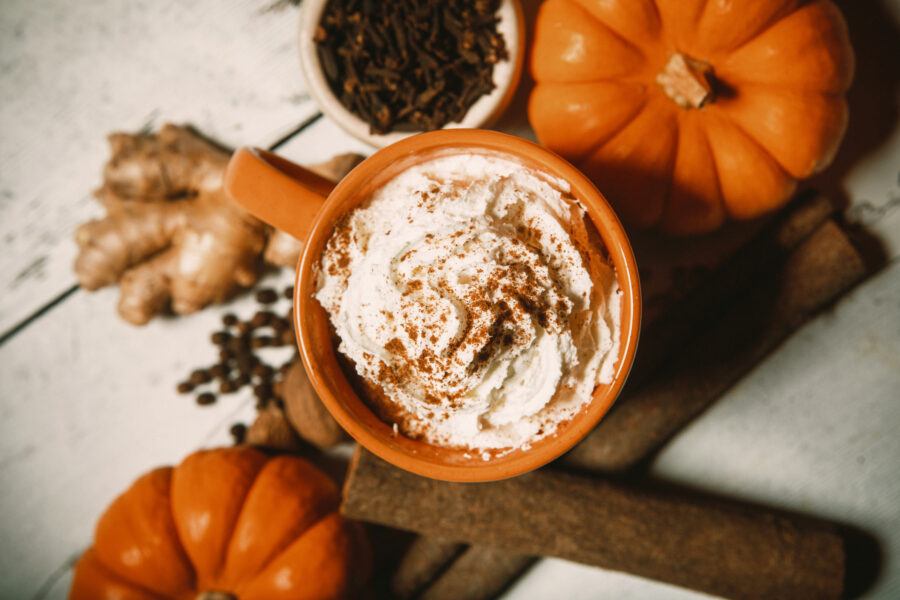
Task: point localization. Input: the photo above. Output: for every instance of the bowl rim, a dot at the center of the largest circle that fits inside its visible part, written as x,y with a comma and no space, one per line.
311,321
486,110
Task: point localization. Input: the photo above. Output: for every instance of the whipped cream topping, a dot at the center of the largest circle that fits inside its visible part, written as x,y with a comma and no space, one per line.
474,302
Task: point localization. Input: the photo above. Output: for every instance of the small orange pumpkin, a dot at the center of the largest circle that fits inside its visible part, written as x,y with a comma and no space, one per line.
225,524
688,112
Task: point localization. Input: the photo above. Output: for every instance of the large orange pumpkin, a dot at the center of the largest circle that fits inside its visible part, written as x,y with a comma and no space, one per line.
225,524
688,112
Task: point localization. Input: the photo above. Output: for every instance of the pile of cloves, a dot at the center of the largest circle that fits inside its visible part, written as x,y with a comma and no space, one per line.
409,64
239,362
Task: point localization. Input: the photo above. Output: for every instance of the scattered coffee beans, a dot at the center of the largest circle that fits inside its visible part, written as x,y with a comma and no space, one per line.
239,364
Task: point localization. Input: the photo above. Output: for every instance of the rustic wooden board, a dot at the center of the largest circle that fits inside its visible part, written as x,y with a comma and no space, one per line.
320,141
87,402
74,71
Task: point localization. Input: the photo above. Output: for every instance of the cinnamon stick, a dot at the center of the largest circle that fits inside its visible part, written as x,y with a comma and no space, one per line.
479,573
819,270
422,563
707,544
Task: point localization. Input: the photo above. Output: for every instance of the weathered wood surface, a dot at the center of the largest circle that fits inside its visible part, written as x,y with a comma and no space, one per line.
73,71
87,402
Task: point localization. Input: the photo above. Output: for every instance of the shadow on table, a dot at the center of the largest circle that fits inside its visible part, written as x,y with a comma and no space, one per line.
874,113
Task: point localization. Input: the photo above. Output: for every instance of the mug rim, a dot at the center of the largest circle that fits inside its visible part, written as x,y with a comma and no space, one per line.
377,436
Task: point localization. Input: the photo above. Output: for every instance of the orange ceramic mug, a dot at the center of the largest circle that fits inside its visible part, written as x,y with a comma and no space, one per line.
308,207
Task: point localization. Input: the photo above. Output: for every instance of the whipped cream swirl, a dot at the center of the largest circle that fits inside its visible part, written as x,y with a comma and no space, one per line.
473,301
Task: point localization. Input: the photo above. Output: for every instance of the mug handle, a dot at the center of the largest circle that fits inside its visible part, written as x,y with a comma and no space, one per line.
275,190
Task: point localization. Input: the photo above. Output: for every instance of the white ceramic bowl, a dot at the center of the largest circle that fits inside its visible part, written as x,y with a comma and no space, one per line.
481,114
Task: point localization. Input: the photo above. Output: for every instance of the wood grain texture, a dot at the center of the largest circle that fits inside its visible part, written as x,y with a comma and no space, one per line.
81,390
73,72
89,402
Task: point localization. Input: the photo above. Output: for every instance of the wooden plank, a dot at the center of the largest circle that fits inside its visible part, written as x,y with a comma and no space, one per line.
88,404
320,141
73,72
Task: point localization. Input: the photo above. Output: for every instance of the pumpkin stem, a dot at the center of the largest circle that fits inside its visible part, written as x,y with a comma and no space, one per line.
216,596
688,82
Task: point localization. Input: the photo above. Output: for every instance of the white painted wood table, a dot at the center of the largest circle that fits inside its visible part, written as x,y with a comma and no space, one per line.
88,402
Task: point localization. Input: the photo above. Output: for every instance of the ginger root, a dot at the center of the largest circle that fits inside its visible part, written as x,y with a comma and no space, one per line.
171,237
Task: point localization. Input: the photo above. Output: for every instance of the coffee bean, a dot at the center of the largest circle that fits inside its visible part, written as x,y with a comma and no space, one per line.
237,345
200,376
206,398
266,296
260,341
238,364
244,363
220,337
263,371
238,433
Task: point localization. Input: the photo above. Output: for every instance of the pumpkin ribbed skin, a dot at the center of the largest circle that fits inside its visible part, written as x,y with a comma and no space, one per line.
780,71
232,521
